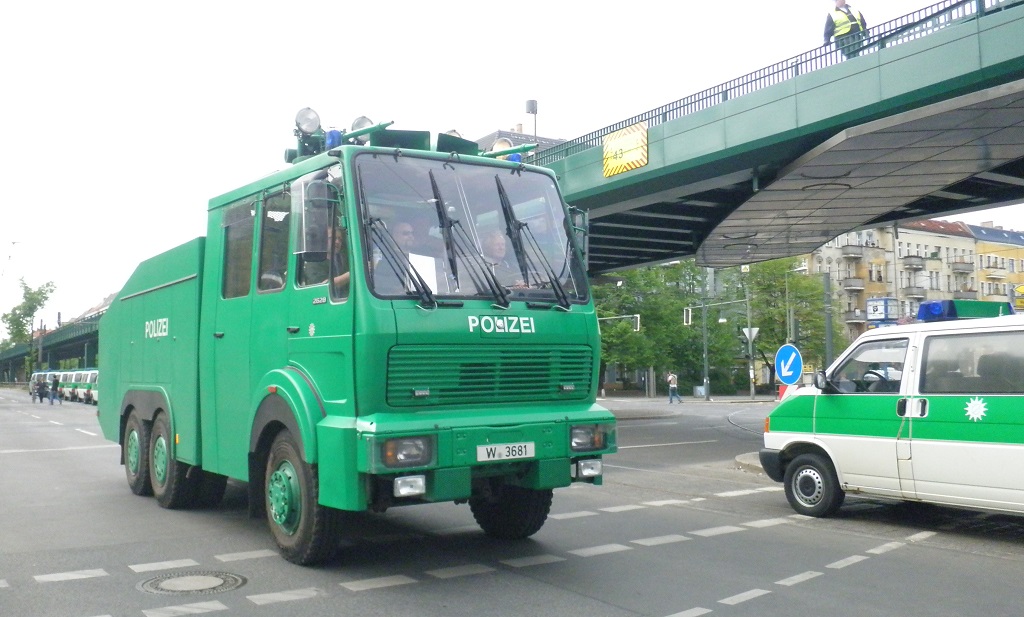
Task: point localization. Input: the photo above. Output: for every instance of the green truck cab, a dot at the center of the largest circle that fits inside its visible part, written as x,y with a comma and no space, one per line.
395,319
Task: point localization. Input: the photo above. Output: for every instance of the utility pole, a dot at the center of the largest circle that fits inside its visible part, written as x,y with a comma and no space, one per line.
750,344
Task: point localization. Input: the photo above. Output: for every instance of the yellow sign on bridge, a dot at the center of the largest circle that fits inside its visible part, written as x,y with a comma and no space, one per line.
625,150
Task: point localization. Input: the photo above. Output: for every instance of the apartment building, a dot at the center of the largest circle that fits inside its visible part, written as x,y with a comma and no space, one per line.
898,267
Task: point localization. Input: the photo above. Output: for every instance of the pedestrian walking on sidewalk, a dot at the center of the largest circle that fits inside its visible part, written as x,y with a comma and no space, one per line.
673,388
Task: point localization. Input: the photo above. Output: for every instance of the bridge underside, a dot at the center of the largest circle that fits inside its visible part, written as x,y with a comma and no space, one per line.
959,155
955,156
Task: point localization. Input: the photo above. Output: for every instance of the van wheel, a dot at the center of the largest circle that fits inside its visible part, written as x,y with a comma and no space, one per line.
135,449
305,531
513,513
812,486
166,474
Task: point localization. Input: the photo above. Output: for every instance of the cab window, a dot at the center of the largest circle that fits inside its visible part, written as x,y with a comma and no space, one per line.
873,367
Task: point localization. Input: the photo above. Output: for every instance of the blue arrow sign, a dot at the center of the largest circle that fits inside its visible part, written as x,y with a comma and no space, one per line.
789,364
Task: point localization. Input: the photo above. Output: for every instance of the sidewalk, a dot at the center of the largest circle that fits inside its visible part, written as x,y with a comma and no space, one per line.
643,408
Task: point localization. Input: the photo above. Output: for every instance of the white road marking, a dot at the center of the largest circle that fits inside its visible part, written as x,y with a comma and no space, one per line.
3,583
767,522
246,555
86,432
771,489
457,571
284,596
656,541
185,609
924,535
885,548
57,423
743,597
109,445
568,515
164,565
693,612
378,583
735,493
696,499
450,531
663,445
717,531
799,578
665,502
537,560
70,576
604,549
849,561
621,508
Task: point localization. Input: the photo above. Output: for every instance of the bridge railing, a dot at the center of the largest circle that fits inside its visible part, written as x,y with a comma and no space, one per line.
908,28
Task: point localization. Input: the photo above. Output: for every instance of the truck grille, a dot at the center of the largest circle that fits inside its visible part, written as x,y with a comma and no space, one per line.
429,375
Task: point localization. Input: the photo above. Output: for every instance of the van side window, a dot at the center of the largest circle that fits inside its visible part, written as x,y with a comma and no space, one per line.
875,367
982,363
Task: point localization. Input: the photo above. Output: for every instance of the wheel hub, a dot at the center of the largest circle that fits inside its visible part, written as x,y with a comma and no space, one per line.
808,486
132,452
160,459
283,496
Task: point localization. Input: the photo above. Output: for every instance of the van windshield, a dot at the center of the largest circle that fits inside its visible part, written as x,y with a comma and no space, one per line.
876,366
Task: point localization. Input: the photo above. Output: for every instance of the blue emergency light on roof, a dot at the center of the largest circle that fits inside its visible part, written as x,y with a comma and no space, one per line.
333,139
949,310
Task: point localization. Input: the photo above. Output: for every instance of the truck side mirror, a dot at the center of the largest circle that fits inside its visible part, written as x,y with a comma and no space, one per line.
320,200
580,231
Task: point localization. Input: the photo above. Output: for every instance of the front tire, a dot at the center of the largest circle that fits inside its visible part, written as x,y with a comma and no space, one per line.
135,450
166,474
305,531
812,486
513,513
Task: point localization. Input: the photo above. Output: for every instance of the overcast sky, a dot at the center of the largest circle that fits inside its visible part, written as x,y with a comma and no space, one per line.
121,119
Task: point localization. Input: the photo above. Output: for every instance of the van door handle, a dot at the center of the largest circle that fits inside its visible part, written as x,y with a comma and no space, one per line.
901,408
218,335
293,329
922,408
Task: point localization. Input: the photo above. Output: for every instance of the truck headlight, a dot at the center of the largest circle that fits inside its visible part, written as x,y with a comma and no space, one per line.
588,437
590,468
407,452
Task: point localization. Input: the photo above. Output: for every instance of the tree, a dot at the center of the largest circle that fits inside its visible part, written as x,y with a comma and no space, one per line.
19,321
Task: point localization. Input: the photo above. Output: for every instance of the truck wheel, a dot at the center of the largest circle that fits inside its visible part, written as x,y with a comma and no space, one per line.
305,531
812,486
135,450
166,474
513,513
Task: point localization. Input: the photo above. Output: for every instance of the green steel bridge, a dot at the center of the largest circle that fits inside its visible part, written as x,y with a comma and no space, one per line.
927,119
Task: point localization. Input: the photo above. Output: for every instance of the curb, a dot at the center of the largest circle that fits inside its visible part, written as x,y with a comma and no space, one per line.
750,462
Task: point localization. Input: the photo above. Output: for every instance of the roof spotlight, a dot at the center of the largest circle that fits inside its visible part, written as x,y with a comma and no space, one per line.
307,121
360,123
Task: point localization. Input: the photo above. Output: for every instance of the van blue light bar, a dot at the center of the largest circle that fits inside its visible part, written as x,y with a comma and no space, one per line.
948,310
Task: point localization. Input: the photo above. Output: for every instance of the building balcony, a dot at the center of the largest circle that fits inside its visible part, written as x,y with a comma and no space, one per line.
853,251
855,316
853,284
914,292
961,266
913,262
994,273
965,295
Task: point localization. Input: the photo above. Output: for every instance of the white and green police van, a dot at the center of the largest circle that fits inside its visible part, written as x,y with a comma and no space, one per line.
931,411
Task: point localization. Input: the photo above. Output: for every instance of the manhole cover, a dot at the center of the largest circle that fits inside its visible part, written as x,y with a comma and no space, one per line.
192,583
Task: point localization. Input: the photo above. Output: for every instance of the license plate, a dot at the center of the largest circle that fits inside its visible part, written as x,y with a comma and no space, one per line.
505,451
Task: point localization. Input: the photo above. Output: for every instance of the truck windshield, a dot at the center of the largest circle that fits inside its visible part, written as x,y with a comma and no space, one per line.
465,231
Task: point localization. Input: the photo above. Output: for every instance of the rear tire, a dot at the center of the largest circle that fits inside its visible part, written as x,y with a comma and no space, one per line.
305,531
513,513
812,486
135,450
166,474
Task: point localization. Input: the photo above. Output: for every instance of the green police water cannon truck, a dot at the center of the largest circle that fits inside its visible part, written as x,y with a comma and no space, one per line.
340,341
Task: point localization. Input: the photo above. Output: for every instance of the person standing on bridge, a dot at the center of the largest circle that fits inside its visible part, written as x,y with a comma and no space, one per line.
848,26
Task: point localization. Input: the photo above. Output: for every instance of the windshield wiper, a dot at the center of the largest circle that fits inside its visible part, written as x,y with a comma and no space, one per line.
399,262
515,229
456,241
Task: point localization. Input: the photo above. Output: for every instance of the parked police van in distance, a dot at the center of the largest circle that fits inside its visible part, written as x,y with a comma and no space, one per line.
929,412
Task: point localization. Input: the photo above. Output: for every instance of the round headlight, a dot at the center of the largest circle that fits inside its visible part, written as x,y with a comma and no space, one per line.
307,121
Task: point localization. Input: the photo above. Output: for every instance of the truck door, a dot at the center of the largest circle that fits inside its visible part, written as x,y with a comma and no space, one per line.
231,345
859,424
